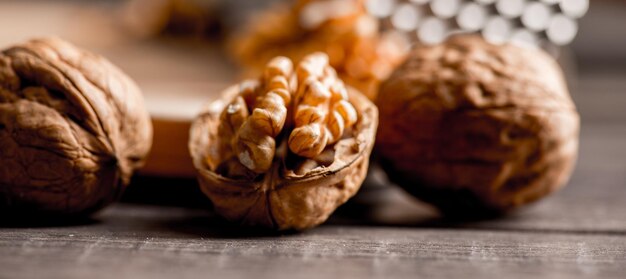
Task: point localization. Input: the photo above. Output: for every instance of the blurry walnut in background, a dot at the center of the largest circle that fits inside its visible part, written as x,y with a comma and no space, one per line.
474,127
285,150
147,18
341,28
73,128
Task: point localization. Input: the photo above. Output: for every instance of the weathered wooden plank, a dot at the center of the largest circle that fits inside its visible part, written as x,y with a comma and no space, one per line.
149,242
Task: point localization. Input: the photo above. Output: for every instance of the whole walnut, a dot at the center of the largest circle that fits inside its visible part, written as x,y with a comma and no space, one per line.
73,128
285,150
477,128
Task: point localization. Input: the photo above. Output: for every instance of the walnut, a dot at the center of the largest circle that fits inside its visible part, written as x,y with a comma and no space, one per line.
185,18
73,128
341,28
291,166
477,128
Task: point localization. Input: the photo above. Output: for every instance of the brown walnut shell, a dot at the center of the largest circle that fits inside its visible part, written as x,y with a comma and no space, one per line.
474,127
73,128
281,199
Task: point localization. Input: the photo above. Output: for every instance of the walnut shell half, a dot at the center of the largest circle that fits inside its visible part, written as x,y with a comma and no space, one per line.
73,128
283,198
468,126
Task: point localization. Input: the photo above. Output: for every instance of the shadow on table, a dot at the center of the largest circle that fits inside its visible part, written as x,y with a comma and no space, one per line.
212,226
418,215
208,224
38,221
373,206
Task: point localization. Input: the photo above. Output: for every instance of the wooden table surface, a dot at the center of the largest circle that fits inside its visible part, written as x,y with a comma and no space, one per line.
576,233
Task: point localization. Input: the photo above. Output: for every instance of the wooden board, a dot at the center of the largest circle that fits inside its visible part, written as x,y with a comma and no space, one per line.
155,242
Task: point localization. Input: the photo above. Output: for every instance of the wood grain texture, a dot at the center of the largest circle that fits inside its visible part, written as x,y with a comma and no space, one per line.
149,242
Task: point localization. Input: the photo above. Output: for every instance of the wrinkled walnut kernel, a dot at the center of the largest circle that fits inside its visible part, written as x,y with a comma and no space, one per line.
255,142
322,112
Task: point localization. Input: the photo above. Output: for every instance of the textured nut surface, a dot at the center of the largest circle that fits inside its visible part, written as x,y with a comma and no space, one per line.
72,128
470,125
295,192
322,111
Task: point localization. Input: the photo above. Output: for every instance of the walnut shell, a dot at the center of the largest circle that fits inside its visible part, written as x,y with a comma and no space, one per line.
281,199
474,127
73,128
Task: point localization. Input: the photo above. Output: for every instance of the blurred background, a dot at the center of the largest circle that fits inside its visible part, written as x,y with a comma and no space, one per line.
182,53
